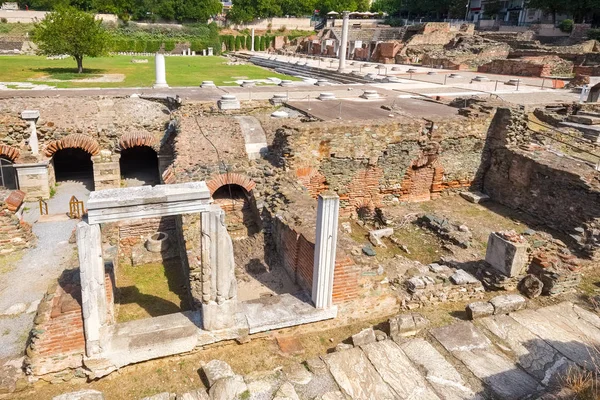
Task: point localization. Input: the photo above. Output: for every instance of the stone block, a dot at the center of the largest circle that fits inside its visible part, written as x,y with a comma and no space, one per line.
228,388
228,102
219,316
405,325
215,370
194,395
376,235
474,197
462,277
365,336
508,303
531,286
30,114
343,347
479,309
85,394
508,257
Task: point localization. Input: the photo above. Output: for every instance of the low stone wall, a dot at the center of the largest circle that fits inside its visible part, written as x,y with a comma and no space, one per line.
528,66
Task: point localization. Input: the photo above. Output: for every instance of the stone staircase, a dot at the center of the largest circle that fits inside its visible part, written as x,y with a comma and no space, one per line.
307,71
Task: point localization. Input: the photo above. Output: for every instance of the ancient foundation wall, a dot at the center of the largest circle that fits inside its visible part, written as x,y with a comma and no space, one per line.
14,234
368,166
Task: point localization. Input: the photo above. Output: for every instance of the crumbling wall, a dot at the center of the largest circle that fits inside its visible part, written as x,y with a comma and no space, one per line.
563,193
14,234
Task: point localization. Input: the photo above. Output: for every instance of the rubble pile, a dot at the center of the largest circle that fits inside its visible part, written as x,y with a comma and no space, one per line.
437,283
452,232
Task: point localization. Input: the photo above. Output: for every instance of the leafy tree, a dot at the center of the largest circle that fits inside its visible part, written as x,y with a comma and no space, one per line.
68,30
553,7
492,8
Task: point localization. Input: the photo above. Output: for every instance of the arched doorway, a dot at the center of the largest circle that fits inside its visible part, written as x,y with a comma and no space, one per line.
8,174
239,214
74,164
139,166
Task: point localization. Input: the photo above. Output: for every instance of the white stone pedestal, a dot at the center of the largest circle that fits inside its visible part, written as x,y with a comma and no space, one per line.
229,102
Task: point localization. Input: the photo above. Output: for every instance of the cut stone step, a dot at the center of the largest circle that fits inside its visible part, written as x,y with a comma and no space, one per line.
584,119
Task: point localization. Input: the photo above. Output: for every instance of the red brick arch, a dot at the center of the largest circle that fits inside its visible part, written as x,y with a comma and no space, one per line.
9,152
230,179
73,141
134,139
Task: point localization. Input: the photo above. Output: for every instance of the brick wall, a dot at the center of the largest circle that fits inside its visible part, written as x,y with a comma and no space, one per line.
14,234
57,340
297,253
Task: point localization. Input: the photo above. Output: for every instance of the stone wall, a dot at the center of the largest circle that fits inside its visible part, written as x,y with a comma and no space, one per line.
369,165
529,66
561,192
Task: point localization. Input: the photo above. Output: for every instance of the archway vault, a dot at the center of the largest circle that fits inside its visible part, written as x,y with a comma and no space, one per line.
133,139
74,141
9,152
230,179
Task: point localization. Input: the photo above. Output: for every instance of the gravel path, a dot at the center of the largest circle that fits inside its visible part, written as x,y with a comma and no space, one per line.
22,288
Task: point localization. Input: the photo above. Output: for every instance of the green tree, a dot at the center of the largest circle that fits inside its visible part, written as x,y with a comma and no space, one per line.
68,30
553,7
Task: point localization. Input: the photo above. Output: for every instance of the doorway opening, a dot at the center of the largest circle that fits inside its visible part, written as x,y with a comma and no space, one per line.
8,174
74,164
139,166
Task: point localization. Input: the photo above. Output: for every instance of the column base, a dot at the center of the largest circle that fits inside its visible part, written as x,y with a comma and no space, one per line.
160,86
219,316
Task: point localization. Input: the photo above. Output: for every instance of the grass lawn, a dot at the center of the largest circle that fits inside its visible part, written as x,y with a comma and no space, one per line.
181,71
151,290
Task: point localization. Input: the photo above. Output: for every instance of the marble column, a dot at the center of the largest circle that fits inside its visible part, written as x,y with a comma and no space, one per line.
161,74
93,291
252,47
325,249
344,44
219,286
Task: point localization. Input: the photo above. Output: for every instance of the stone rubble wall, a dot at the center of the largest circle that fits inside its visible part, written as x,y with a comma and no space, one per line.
104,120
561,192
374,164
529,66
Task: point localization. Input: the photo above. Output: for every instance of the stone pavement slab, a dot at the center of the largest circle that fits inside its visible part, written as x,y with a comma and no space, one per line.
565,341
397,371
441,375
467,343
356,376
532,353
564,315
321,384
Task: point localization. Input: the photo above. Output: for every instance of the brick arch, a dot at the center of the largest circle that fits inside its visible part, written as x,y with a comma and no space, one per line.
9,152
73,141
134,139
230,179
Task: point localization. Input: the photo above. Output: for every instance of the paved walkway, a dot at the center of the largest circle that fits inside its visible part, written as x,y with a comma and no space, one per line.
23,287
506,357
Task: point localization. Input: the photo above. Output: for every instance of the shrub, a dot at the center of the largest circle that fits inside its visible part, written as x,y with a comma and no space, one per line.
238,43
269,27
3,20
257,40
282,29
593,34
566,25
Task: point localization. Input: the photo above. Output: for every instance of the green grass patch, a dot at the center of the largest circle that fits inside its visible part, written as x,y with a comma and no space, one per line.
151,290
181,71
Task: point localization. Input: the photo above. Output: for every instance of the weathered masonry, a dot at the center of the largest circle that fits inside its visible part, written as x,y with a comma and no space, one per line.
110,345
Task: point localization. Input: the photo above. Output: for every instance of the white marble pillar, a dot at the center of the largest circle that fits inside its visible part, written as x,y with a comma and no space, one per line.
161,74
219,286
344,44
325,249
93,291
252,47
210,51
31,116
